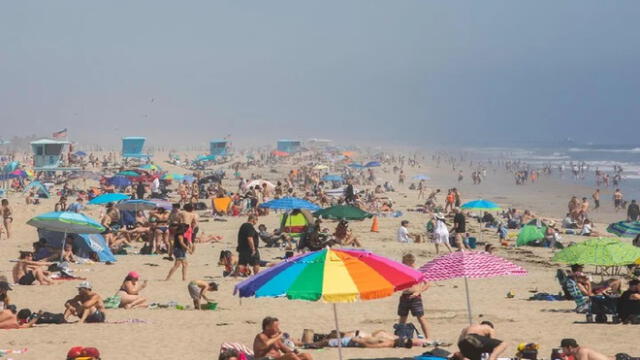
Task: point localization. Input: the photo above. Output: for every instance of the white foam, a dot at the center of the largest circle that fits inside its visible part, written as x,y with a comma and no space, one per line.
634,150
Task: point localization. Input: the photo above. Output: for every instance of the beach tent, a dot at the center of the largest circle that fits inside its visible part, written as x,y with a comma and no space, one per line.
288,146
529,234
132,147
83,244
41,189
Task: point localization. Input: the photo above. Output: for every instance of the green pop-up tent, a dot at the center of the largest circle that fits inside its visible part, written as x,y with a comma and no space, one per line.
529,234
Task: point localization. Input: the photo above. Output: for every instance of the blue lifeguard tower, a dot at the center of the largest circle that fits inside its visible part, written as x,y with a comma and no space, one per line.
132,147
47,154
289,146
218,147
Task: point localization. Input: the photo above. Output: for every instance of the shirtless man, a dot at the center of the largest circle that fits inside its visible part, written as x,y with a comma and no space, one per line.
596,199
189,218
617,199
87,305
571,347
478,339
27,271
7,217
268,344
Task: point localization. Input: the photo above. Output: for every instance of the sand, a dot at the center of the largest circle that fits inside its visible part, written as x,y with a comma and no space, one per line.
182,334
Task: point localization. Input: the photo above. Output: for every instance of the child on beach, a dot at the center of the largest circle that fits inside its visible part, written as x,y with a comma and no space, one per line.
411,300
180,249
197,290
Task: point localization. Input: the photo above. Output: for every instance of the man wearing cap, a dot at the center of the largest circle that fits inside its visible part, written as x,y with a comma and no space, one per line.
571,347
87,305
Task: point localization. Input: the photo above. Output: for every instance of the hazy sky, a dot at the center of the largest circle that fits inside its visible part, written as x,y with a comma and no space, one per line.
397,71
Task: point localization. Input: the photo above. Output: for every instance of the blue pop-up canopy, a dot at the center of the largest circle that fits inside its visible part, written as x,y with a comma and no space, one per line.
83,244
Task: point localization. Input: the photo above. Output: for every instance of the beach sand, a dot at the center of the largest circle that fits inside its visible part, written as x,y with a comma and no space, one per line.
183,334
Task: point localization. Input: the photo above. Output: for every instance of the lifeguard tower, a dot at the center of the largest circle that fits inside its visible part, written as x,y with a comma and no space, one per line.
218,147
288,146
132,147
47,154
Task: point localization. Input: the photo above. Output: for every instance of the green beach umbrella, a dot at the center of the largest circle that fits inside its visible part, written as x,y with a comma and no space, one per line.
530,233
600,252
625,228
344,212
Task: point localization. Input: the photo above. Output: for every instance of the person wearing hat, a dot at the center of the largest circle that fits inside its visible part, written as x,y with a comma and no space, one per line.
440,233
129,292
87,305
571,347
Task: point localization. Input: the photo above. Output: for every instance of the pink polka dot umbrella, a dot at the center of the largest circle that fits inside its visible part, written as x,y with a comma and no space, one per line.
469,264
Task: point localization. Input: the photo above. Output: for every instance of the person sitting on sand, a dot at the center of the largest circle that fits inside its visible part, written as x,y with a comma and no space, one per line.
129,292
478,339
87,305
629,304
268,344
589,288
271,239
197,290
229,261
344,235
26,271
587,230
570,347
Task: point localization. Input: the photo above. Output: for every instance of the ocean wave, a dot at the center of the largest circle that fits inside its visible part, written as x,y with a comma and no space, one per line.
633,150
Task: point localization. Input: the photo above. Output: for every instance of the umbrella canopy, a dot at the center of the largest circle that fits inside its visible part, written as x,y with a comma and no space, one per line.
205,158
482,205
600,252
290,203
346,212
279,153
421,177
136,205
332,276
178,177
260,183
333,178
320,167
108,198
150,167
128,173
373,164
530,233
625,228
80,153
162,204
356,165
66,222
119,181
469,264
18,173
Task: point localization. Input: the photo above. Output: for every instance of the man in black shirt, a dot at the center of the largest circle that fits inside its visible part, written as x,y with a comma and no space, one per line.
140,190
633,211
629,303
459,228
248,239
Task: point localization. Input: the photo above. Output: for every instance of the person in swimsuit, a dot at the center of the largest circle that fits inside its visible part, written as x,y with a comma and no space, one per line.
189,218
180,249
174,221
26,271
268,344
87,305
478,339
7,217
161,232
129,292
197,290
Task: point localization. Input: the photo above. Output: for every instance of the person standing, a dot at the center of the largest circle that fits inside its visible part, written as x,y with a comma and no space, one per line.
440,233
633,211
7,217
140,190
459,227
617,199
180,249
596,199
411,300
248,239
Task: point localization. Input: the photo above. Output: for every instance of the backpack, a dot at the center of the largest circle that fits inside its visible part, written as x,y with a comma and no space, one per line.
51,318
405,331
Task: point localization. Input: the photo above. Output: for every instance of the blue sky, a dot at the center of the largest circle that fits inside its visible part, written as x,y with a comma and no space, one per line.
412,72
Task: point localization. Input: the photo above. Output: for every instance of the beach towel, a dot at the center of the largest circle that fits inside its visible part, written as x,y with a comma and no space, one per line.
112,302
236,346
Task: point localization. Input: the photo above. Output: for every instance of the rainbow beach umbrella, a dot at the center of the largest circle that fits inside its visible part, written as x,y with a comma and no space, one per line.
331,275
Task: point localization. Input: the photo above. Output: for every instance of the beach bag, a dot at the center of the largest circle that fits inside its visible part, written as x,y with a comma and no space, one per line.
625,356
112,302
51,318
405,331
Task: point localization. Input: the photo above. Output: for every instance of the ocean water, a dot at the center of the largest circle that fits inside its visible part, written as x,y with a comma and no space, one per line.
601,157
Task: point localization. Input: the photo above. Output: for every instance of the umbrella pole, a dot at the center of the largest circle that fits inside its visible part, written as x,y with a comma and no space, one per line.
335,317
466,288
64,239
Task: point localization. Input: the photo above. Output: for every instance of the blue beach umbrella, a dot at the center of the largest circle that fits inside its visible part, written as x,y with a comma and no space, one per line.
625,228
290,203
119,181
373,164
108,198
136,205
332,178
421,177
356,165
481,205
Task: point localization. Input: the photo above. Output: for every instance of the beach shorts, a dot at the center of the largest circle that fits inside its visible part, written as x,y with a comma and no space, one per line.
472,346
96,317
27,279
179,253
194,290
345,342
245,258
617,202
408,304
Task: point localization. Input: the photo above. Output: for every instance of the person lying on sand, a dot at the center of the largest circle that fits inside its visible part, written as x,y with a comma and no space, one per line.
376,340
87,305
27,271
9,320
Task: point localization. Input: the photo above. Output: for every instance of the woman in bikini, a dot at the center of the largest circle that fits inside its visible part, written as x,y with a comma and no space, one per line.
7,217
161,231
129,292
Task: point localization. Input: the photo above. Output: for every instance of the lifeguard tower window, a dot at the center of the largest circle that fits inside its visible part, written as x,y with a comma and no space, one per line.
219,145
40,150
52,149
